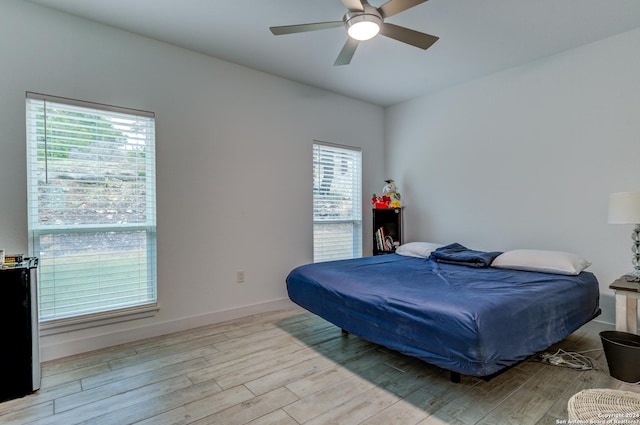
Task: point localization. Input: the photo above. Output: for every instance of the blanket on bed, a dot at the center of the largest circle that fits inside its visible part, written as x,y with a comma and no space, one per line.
471,320
458,254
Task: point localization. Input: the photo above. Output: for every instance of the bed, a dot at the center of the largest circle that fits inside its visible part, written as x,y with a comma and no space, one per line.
472,321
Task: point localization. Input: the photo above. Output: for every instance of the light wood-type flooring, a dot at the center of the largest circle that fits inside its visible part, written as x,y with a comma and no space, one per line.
291,367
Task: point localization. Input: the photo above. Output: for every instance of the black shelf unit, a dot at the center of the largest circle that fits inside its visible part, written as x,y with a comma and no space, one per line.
20,353
390,221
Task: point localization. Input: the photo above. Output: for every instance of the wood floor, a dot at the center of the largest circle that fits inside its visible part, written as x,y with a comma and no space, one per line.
291,367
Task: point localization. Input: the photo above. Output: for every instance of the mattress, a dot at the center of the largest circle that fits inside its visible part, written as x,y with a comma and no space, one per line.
472,321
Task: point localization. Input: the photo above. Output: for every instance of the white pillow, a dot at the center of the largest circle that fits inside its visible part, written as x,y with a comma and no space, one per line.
541,261
417,249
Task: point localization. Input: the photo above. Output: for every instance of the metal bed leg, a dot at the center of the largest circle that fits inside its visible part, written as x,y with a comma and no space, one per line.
455,377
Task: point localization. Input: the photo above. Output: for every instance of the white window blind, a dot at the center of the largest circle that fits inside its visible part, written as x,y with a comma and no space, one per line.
91,206
337,202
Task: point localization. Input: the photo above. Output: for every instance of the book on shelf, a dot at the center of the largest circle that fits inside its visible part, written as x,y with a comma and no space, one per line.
383,241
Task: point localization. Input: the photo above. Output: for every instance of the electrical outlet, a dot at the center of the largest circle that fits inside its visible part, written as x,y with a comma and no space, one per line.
240,276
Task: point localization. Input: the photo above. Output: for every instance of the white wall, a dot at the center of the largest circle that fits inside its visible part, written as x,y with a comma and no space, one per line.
526,158
233,161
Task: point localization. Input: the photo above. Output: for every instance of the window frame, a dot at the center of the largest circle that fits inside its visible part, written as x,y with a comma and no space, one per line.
119,313
356,219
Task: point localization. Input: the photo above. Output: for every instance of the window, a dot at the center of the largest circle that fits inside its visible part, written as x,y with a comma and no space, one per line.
91,207
337,202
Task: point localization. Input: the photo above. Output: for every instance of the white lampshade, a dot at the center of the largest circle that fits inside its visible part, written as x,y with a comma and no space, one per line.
624,208
363,30
365,25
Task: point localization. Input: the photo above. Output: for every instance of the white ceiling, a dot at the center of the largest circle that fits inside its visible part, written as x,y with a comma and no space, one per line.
476,37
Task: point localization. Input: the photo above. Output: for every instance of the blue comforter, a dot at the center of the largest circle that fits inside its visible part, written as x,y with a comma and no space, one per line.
474,321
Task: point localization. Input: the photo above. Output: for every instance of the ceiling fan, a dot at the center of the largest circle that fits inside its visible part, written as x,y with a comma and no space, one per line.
364,22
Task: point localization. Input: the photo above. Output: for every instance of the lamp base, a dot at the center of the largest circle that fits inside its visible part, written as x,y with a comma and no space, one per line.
634,276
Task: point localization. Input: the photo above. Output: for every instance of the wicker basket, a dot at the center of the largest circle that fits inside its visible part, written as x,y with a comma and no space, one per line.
603,404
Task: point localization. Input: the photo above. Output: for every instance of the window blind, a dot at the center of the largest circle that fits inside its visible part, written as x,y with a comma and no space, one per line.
91,206
337,202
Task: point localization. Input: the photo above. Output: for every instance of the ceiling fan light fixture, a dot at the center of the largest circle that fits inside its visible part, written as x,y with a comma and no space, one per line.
363,22
362,26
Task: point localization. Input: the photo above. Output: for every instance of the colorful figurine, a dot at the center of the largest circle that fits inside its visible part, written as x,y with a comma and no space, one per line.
391,191
380,201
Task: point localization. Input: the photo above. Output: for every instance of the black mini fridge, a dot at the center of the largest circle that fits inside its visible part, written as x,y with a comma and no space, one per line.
20,352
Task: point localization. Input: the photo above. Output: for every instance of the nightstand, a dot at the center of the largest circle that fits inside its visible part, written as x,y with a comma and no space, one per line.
627,295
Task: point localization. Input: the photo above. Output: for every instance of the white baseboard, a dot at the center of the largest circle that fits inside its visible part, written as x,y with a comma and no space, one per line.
55,347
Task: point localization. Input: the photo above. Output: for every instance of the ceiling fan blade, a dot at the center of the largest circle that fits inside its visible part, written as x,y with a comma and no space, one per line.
349,48
353,4
409,36
393,7
292,29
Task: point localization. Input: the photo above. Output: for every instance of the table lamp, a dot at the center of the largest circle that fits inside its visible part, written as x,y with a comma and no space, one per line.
624,208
